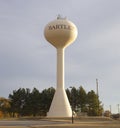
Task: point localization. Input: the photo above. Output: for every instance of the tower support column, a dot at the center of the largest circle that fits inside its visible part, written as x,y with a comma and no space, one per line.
60,68
60,106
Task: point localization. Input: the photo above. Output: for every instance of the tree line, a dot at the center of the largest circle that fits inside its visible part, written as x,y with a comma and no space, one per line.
26,102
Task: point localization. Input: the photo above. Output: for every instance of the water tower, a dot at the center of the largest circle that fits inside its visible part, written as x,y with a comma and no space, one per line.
60,33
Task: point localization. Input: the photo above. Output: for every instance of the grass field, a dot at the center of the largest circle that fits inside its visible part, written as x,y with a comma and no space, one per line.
91,122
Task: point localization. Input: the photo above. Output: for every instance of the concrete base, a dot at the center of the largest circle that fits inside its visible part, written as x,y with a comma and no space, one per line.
60,106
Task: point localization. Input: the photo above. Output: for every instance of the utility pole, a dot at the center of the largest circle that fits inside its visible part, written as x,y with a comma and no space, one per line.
97,96
118,110
97,87
72,117
103,110
110,109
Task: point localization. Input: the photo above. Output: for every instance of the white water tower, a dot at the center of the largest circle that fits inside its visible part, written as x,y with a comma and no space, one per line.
60,33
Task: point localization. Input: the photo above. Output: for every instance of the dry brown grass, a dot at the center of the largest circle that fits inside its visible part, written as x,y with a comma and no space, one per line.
92,122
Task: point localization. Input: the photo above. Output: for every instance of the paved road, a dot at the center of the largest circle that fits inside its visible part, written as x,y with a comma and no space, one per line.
55,124
27,123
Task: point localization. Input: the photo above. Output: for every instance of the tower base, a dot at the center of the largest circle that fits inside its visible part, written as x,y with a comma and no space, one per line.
60,106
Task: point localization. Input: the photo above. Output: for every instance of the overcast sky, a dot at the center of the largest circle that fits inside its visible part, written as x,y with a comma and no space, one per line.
27,60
